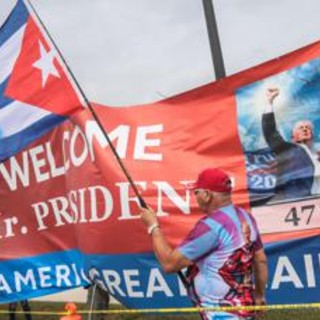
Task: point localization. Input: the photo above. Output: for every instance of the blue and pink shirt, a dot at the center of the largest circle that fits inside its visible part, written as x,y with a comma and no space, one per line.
222,247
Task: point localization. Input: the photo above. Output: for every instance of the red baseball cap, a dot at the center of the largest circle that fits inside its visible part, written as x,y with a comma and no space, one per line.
213,179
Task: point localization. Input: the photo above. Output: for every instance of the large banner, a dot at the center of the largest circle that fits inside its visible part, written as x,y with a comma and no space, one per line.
68,215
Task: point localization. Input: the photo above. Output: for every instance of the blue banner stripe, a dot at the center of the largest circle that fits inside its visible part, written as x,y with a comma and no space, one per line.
41,275
137,281
294,276
17,18
294,269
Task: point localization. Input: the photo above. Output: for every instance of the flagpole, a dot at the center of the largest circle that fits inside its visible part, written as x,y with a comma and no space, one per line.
214,40
93,112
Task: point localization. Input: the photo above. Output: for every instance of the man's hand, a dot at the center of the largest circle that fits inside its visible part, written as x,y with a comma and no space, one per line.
271,94
148,216
260,301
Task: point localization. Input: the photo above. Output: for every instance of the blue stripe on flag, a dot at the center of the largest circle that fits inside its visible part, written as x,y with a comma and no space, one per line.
3,99
13,144
14,22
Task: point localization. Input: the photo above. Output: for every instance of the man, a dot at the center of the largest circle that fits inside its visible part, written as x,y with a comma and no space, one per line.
222,252
298,168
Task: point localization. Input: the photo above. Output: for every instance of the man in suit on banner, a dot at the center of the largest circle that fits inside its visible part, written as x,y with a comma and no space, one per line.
298,167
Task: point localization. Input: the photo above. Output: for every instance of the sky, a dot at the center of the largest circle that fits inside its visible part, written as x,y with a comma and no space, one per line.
129,52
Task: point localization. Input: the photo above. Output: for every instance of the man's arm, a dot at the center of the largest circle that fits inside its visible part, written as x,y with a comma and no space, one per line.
171,260
260,269
269,128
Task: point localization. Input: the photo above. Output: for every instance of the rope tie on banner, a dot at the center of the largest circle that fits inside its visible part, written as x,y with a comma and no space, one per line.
177,310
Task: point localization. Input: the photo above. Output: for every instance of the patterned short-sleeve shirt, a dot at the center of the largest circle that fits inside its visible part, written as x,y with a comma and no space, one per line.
222,247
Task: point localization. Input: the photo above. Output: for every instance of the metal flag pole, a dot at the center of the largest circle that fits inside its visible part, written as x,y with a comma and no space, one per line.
93,297
90,107
214,40
96,118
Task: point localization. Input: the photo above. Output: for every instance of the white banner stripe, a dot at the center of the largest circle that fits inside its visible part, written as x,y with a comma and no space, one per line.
9,53
17,116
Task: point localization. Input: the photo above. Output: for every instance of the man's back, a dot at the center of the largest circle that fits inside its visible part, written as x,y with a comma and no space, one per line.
222,245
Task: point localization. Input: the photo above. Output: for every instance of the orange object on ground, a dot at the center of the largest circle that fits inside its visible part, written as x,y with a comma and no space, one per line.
72,312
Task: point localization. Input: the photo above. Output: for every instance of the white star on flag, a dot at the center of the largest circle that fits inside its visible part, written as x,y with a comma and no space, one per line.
45,64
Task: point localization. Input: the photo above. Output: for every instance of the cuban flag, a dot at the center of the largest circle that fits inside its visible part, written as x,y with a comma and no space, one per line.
36,93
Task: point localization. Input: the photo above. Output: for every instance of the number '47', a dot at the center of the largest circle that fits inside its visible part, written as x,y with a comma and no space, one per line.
293,215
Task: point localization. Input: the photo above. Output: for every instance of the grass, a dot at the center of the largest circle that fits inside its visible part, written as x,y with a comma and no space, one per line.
54,307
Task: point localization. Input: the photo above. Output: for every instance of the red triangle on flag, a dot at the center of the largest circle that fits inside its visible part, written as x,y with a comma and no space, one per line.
38,78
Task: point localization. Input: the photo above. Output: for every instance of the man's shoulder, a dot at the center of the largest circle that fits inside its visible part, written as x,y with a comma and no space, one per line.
222,211
219,217
227,215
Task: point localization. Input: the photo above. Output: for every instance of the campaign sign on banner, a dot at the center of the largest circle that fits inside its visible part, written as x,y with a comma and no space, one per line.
69,216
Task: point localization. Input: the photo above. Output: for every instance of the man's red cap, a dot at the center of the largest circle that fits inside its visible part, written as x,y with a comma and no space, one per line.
213,179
